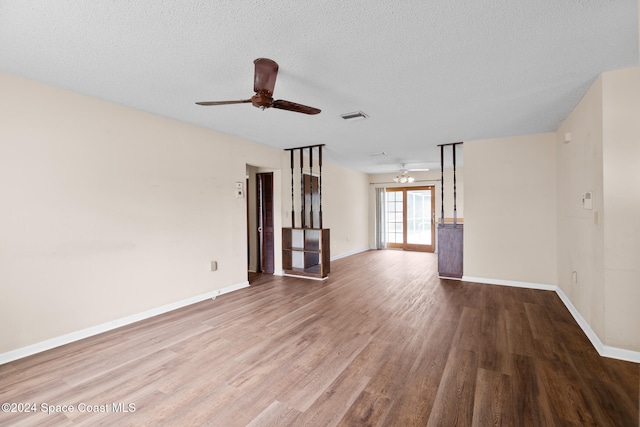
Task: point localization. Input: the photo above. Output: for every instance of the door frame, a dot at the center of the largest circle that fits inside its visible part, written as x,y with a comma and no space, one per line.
413,246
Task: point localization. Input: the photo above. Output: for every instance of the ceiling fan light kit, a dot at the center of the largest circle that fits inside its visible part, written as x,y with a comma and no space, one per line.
404,177
266,71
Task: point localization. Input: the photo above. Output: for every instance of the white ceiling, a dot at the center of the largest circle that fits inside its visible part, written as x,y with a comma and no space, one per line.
426,72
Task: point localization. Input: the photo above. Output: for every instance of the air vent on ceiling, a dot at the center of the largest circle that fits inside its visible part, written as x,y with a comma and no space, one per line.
356,115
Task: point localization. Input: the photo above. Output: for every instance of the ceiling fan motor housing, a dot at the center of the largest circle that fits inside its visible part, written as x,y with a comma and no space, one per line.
262,100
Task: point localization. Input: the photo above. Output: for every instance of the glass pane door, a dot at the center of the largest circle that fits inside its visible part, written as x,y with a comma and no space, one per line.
395,209
419,217
410,224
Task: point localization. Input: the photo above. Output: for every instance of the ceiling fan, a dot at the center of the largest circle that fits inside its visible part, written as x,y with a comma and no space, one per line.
404,176
266,71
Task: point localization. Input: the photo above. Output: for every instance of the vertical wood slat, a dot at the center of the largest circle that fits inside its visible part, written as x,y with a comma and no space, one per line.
312,222
455,209
442,184
320,184
311,185
303,218
293,212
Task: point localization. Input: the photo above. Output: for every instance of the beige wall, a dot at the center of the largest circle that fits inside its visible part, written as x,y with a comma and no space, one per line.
602,245
109,211
581,231
348,217
510,214
621,173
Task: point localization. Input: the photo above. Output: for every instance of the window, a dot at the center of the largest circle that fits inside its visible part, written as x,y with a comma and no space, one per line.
410,212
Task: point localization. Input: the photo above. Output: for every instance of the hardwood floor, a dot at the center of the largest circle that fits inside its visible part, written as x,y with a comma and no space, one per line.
382,342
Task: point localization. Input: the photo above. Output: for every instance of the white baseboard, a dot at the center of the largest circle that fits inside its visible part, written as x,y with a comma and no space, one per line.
357,251
603,350
299,276
511,283
232,288
95,330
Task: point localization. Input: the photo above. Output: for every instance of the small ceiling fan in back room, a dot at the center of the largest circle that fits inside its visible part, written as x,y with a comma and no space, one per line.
266,71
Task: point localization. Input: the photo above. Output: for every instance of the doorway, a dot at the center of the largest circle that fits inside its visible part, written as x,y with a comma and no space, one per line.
410,213
264,204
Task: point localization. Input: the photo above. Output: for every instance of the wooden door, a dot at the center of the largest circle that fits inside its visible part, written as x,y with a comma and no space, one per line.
265,222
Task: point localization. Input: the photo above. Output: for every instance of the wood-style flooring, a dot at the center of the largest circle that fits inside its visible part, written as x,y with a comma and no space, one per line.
382,342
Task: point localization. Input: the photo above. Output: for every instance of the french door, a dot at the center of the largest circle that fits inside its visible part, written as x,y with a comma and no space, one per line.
410,213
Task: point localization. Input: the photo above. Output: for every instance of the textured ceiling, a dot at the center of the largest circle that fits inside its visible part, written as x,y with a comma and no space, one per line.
426,72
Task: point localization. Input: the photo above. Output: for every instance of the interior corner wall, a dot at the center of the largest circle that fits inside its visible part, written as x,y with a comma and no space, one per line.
581,231
510,209
621,184
345,209
109,211
599,248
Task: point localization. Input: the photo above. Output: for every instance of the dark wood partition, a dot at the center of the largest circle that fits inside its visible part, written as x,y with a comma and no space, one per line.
305,247
450,236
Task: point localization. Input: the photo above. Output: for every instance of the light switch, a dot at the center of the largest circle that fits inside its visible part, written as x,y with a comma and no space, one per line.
587,200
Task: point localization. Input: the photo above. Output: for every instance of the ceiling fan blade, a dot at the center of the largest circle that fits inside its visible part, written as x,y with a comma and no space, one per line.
292,106
241,101
265,75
